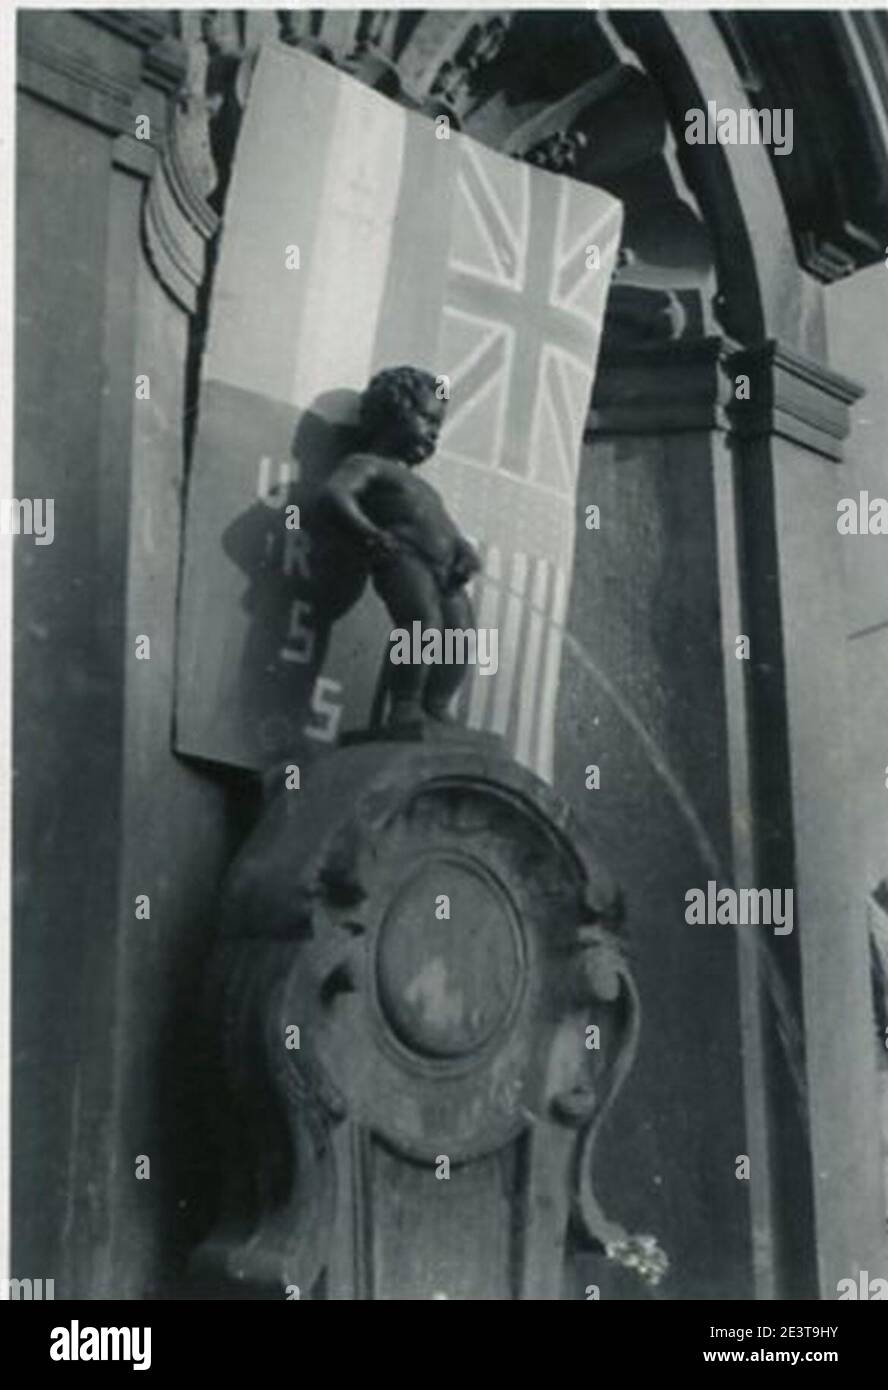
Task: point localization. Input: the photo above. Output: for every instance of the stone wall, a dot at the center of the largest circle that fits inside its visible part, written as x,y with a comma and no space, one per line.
103,810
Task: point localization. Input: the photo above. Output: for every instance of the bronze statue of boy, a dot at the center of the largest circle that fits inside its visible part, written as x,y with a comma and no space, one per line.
420,561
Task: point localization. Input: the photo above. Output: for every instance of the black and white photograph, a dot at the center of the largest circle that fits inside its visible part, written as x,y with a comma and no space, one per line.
444,549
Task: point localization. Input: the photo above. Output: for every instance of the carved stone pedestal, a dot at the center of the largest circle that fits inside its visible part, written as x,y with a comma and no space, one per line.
424,1012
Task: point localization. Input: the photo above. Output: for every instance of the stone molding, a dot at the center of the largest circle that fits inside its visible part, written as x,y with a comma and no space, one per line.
793,397
690,385
57,63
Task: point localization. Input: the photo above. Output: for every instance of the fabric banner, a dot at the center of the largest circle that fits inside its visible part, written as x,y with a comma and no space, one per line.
356,237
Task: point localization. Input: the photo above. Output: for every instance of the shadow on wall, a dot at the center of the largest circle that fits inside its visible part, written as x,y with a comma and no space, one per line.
301,579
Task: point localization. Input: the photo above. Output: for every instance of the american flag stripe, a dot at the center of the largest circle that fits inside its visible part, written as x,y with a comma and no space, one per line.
509,634
545,753
527,604
531,647
487,593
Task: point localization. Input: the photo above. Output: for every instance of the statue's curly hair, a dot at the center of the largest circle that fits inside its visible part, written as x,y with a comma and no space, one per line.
393,391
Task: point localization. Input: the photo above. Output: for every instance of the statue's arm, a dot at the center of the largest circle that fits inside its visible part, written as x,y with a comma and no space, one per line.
343,495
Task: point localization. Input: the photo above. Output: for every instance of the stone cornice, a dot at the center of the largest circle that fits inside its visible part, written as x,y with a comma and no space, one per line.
164,62
794,397
56,63
78,62
138,26
692,385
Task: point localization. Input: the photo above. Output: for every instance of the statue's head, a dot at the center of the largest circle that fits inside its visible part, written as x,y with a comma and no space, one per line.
402,413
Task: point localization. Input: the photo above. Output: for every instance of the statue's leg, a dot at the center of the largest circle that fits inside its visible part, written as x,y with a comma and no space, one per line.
410,594
445,681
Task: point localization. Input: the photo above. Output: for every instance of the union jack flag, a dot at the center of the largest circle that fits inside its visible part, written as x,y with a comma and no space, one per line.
518,340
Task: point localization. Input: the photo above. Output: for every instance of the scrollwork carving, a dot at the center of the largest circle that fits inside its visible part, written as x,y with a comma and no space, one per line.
465,1036
179,219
